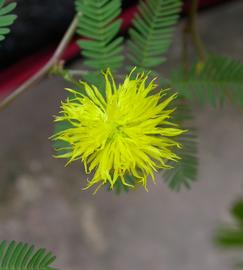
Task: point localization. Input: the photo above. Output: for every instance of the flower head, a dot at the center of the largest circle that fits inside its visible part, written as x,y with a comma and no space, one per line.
125,132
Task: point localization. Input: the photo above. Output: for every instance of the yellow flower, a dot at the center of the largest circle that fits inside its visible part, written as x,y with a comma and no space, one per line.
127,132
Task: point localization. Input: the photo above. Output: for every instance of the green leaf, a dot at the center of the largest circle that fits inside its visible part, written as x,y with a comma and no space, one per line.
21,256
61,147
230,238
212,82
6,19
185,171
100,25
152,31
237,211
9,8
231,235
119,187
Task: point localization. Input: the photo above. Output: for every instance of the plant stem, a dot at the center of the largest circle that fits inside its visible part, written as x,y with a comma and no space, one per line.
185,56
192,24
74,72
45,69
80,73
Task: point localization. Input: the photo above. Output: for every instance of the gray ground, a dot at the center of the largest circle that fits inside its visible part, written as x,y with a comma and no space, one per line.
41,202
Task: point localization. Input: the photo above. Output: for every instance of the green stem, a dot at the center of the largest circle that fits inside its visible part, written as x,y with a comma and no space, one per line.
185,55
193,28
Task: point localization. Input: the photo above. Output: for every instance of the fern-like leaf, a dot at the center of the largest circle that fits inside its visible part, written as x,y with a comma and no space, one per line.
214,81
185,171
151,34
99,24
6,19
231,235
21,256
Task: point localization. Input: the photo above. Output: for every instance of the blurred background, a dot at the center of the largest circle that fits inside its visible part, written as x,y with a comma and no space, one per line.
41,202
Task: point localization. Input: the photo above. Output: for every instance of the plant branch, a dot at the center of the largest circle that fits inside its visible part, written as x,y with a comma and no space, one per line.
184,54
193,29
81,72
45,69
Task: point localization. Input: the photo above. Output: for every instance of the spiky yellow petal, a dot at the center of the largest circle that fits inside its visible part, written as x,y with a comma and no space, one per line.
127,132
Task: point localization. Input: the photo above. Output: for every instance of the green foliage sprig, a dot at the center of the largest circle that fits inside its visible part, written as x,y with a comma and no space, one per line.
212,82
21,256
6,18
184,172
152,31
99,24
230,236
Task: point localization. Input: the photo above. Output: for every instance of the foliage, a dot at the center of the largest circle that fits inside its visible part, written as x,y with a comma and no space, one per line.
99,25
214,81
120,188
231,236
21,256
6,19
185,171
152,31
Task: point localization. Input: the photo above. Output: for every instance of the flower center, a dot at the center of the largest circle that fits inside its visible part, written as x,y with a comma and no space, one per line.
115,129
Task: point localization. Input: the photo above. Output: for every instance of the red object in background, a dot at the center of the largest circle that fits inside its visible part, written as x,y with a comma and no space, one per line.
18,73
